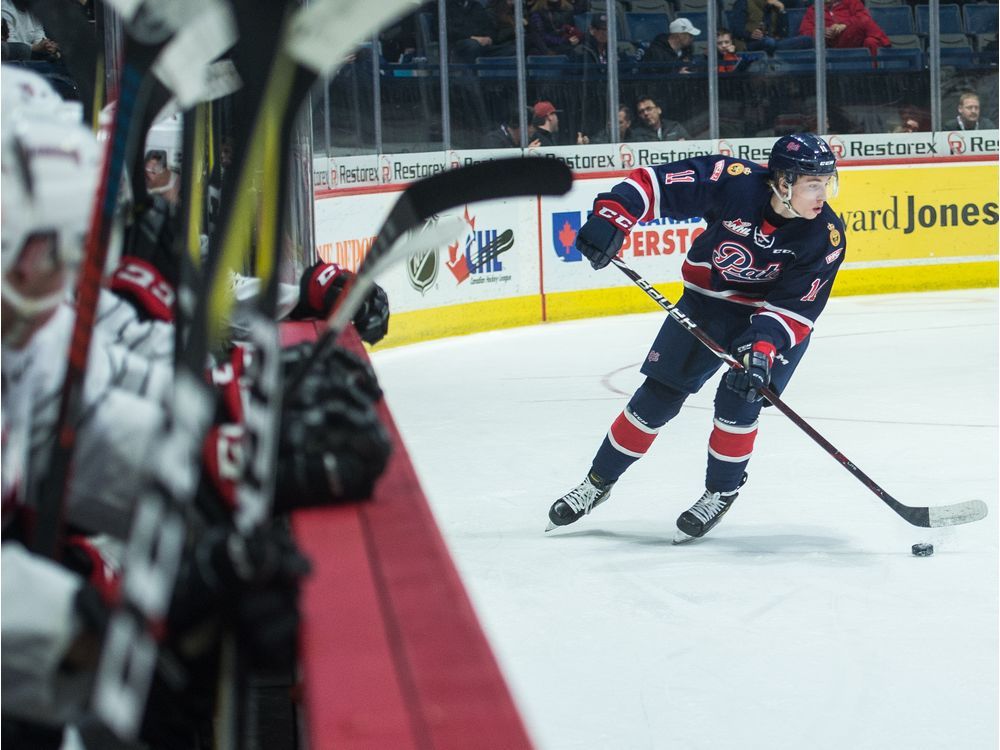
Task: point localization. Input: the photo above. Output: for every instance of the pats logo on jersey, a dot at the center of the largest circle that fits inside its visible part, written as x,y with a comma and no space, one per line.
735,263
741,227
565,227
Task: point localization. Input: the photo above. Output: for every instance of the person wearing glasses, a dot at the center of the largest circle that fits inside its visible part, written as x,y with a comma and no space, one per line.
652,126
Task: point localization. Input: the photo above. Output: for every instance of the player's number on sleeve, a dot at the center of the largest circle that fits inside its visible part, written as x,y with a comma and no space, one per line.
144,278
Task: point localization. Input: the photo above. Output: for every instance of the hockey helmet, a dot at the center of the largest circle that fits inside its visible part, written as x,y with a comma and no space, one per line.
50,172
802,153
165,141
26,92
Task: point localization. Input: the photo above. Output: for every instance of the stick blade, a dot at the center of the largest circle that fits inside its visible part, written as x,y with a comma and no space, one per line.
490,180
957,513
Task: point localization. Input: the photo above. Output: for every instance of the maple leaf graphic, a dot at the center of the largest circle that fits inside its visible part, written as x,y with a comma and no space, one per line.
567,237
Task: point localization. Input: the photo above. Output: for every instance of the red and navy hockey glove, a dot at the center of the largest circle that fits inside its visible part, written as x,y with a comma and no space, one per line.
320,286
601,237
757,357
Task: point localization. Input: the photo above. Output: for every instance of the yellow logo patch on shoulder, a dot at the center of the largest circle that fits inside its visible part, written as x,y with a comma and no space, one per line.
834,236
737,169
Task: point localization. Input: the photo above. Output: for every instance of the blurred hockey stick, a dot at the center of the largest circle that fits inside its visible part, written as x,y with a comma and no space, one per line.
928,517
490,180
151,30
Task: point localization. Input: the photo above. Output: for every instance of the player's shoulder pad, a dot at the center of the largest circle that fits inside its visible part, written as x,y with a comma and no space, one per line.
728,169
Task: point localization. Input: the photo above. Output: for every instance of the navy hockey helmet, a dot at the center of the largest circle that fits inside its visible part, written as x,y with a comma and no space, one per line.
802,153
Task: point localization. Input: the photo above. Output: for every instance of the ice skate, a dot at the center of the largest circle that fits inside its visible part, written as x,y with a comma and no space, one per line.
701,517
578,502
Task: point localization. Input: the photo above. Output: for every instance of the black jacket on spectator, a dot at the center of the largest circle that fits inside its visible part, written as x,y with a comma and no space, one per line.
661,51
544,137
468,18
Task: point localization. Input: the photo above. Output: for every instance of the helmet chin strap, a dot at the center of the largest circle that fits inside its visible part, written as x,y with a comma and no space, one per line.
786,200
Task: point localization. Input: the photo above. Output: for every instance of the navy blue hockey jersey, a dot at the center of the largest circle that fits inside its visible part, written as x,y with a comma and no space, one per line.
783,271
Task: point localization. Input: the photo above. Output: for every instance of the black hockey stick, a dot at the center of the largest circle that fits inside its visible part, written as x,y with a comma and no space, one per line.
927,517
490,180
150,28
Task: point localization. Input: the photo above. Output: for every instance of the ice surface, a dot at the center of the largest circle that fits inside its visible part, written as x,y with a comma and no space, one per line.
802,621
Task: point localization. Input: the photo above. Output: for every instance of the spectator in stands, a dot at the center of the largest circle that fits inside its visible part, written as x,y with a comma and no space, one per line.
969,117
553,21
654,127
472,32
502,14
848,25
24,28
675,47
624,128
507,134
728,60
545,123
912,120
763,25
594,48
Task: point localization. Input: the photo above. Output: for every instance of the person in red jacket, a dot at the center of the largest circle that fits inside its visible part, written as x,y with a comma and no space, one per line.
848,24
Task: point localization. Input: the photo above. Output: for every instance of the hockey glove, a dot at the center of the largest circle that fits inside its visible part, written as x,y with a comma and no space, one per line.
602,236
332,446
757,357
320,287
249,582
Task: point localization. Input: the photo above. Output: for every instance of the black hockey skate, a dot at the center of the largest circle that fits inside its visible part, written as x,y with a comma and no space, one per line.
579,501
702,517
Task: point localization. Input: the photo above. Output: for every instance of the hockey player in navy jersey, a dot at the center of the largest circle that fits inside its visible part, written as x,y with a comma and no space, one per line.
755,281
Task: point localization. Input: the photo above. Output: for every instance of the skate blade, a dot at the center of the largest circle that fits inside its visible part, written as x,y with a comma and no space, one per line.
681,538
550,527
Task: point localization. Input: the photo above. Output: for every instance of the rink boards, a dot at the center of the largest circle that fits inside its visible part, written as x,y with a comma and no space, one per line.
920,215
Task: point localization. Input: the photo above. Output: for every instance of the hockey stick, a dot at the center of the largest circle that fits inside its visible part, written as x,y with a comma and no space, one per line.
490,180
150,29
928,517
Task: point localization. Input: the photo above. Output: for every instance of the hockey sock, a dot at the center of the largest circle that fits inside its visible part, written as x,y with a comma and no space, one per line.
729,449
631,434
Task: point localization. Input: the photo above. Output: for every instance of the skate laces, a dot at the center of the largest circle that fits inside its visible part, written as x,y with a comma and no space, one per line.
581,499
710,505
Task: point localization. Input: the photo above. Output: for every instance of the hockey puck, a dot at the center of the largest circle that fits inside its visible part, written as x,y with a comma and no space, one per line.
922,550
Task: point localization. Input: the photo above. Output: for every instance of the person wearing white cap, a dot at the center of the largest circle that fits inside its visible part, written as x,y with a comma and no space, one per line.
675,47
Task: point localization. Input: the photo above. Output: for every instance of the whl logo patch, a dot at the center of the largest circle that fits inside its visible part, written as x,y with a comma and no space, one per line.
738,226
565,227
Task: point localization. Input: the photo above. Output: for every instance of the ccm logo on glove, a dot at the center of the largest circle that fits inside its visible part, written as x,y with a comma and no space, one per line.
614,213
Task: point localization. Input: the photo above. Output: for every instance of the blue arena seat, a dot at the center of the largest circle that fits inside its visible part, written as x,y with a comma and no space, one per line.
900,59
849,60
644,27
794,16
950,15
496,67
981,18
894,20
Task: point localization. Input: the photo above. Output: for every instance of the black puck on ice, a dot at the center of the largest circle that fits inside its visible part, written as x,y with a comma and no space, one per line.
922,550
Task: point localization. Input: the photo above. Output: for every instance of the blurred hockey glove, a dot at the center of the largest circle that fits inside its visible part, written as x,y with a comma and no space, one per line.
142,284
320,286
757,356
331,446
249,583
601,237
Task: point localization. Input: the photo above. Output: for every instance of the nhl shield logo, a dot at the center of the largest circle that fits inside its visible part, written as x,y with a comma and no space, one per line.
565,225
422,269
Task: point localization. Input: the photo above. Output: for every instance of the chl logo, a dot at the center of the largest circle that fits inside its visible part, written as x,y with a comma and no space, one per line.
735,263
480,252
